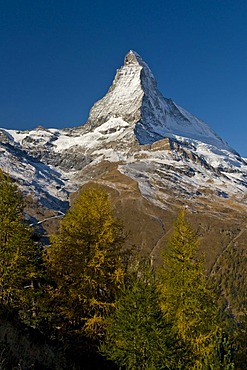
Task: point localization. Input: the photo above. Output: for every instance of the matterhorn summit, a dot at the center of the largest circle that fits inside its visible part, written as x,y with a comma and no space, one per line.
135,98
124,98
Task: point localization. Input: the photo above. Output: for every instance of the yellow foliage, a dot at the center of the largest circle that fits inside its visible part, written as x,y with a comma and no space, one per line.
85,260
18,255
186,301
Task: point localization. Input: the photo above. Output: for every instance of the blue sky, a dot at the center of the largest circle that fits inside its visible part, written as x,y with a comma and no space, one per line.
60,56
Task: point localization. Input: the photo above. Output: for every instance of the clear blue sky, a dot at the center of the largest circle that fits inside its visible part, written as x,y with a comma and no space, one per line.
57,57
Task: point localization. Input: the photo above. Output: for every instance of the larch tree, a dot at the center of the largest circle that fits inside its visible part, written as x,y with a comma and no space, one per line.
188,303
18,253
87,263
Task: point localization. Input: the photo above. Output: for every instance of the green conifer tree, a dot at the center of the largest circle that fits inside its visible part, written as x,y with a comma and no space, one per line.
86,263
137,337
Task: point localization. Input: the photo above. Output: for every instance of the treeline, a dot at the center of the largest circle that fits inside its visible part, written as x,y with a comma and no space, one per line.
105,307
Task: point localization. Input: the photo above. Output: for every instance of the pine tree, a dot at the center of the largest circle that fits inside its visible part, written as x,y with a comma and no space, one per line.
137,336
188,303
18,254
86,263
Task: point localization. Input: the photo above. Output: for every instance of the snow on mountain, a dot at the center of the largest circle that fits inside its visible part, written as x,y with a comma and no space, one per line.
44,183
134,97
153,140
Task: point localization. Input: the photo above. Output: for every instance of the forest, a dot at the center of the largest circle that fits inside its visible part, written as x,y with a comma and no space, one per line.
89,301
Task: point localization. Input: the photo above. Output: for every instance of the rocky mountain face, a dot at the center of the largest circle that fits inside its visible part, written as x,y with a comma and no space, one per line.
152,156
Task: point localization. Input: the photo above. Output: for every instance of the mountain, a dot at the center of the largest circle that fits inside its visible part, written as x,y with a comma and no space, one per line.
132,124
152,156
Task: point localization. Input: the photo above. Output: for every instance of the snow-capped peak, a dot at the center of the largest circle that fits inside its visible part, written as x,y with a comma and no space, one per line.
134,97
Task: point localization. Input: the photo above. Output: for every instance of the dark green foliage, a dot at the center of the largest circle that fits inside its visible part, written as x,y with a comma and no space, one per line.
137,337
